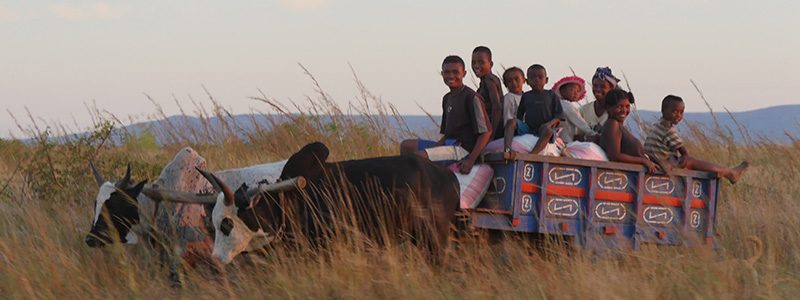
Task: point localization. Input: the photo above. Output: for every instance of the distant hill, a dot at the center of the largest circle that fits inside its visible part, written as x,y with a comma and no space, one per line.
771,124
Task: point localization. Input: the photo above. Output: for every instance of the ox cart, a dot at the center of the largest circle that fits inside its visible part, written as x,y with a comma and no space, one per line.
599,205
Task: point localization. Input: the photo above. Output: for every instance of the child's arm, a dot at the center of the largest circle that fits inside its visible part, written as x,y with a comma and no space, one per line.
496,99
511,126
466,164
684,157
574,117
612,139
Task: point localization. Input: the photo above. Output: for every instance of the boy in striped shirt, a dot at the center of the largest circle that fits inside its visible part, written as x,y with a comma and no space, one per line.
663,144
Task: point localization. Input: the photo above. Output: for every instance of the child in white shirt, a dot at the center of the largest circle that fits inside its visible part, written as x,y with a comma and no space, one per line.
570,90
513,79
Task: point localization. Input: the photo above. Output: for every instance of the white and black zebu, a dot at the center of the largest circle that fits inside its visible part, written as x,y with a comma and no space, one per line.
406,196
174,228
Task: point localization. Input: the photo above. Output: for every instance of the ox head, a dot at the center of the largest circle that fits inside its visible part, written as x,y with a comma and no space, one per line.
244,220
247,219
116,210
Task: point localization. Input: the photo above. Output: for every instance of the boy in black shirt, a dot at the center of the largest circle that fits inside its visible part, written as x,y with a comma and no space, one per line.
489,88
465,127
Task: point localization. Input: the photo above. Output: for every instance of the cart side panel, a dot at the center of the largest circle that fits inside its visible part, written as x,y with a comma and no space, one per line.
612,213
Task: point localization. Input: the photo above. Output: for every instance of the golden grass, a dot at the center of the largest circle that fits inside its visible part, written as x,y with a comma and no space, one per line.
42,254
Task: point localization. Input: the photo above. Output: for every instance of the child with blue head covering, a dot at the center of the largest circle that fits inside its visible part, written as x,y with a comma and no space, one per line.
603,81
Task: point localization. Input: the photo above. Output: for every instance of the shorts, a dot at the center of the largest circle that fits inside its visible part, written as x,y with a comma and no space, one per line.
522,128
445,154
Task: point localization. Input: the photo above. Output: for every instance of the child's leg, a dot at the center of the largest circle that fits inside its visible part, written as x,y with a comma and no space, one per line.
732,174
409,147
511,126
545,133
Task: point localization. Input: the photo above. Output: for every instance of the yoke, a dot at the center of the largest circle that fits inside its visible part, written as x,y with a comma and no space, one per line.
602,205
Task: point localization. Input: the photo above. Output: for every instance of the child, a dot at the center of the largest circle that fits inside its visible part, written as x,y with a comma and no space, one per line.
489,88
570,90
620,145
663,144
513,78
465,125
538,108
594,113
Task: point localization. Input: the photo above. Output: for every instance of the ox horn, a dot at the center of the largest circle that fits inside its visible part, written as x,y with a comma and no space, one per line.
298,183
125,180
97,176
179,197
218,185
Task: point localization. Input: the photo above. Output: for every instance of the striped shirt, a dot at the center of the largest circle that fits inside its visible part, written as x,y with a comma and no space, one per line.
663,140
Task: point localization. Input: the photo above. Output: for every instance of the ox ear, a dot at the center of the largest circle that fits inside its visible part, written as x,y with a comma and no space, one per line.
241,196
307,162
137,188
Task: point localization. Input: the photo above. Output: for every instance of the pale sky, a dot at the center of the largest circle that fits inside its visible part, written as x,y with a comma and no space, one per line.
58,56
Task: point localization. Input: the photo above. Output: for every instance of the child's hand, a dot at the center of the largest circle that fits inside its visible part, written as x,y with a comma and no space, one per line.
682,161
651,166
553,123
465,165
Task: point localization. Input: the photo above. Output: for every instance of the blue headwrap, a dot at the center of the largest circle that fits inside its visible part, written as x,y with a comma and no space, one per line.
604,73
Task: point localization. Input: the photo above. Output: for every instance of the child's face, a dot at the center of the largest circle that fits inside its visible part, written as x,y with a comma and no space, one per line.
453,75
570,91
600,88
673,112
620,111
481,64
514,82
537,78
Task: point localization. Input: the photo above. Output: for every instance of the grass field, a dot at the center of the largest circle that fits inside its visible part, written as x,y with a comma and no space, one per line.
47,197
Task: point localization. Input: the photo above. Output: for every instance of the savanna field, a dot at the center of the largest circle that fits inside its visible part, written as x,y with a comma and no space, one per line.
47,199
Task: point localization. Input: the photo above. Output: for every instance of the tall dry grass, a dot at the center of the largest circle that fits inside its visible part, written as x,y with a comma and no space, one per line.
47,200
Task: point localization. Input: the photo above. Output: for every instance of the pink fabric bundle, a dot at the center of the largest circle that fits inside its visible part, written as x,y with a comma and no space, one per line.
473,185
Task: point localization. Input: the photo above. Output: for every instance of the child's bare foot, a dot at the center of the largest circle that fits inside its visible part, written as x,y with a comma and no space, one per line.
737,172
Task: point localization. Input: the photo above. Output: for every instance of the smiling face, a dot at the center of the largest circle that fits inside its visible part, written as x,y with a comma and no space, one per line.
600,89
118,206
514,81
673,112
453,75
481,64
620,110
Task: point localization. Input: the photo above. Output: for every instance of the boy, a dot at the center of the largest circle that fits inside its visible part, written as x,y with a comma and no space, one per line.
514,79
465,125
663,144
489,88
538,108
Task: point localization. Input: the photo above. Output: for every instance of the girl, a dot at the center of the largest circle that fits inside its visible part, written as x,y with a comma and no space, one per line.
620,145
595,112
570,90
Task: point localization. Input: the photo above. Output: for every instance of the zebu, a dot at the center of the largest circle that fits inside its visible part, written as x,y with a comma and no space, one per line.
135,216
418,199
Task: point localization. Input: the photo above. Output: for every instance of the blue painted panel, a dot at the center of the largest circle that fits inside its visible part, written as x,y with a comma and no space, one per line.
528,203
605,210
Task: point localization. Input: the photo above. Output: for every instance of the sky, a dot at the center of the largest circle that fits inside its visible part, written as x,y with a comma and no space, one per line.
58,57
